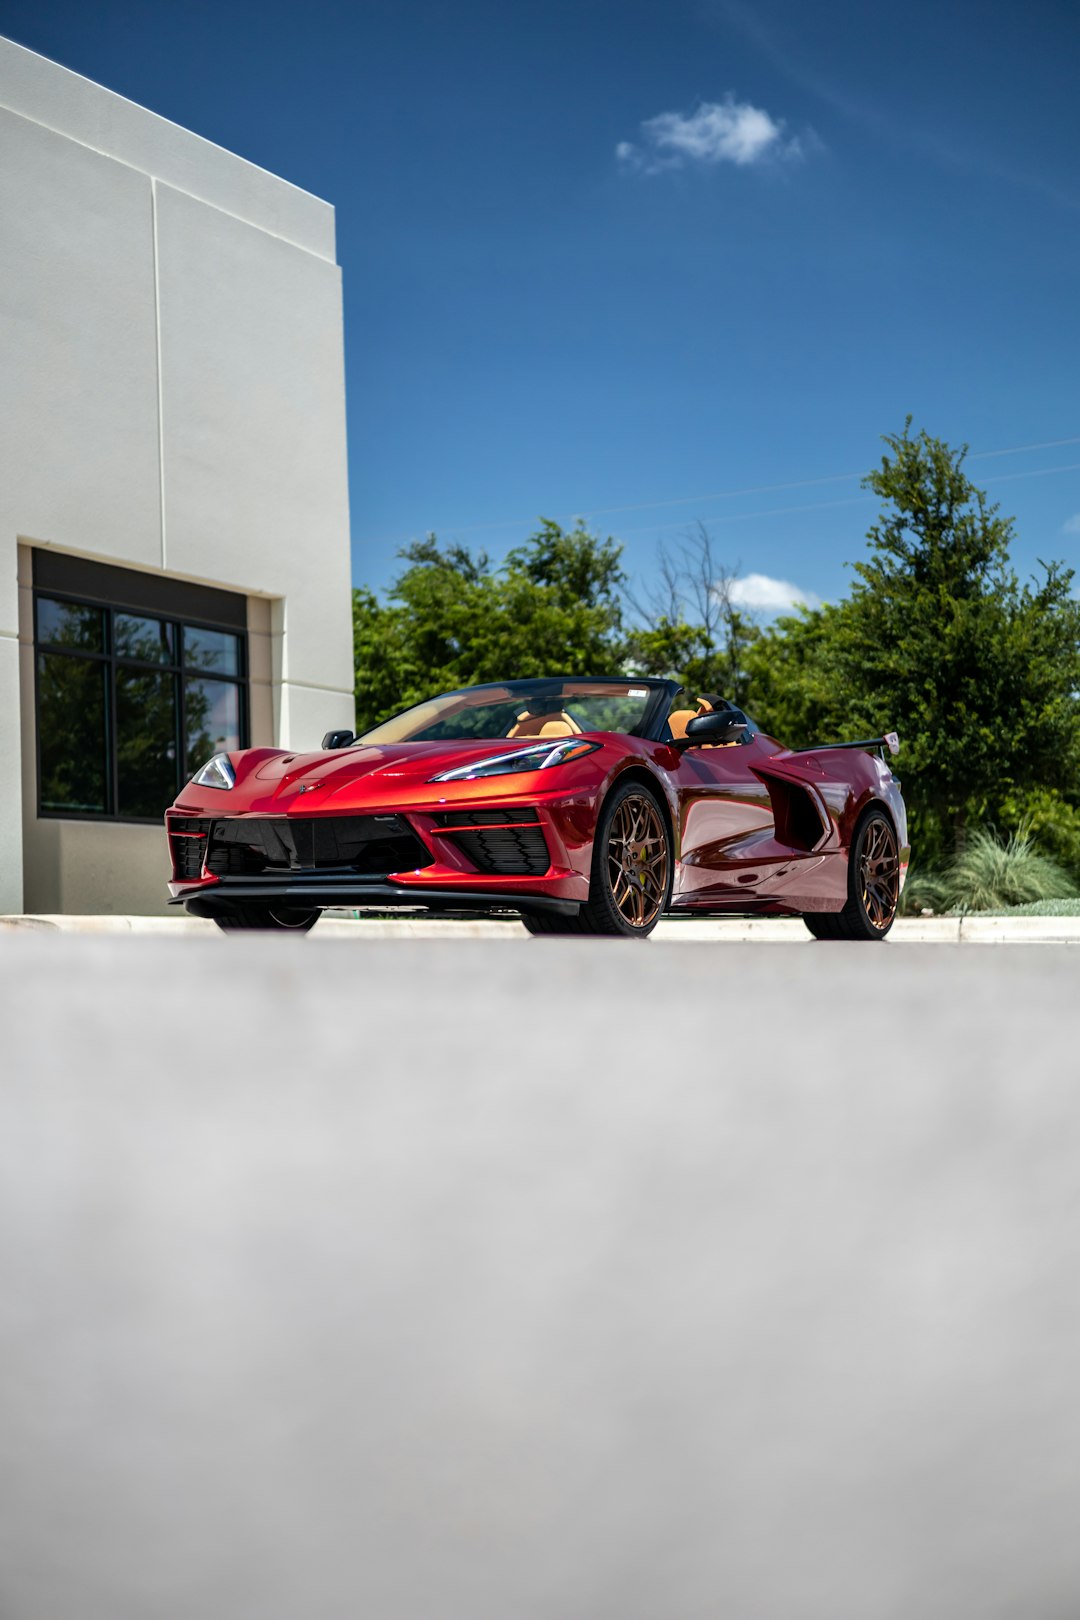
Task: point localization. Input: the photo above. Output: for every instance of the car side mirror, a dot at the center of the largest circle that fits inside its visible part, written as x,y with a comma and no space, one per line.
722,726
338,739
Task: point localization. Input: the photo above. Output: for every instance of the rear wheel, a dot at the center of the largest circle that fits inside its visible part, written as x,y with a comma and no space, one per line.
873,885
823,924
631,877
268,919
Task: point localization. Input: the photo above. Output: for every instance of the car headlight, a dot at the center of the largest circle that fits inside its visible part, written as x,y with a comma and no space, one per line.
539,758
216,773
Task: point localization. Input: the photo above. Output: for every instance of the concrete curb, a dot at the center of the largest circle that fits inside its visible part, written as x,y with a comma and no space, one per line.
682,930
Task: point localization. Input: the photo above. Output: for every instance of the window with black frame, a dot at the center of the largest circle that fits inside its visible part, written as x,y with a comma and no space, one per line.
129,705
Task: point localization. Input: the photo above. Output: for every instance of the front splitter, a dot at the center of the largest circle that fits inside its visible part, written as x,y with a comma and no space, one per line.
336,891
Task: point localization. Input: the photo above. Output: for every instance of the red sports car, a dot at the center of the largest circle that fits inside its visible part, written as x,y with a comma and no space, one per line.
586,806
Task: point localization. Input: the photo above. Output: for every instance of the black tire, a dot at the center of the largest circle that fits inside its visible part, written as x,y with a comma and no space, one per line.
267,919
873,885
541,924
632,870
823,924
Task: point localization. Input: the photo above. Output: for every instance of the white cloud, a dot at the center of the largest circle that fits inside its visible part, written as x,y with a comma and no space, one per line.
764,594
727,131
1072,526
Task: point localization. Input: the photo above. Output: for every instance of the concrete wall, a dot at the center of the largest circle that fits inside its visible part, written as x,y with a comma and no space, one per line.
171,389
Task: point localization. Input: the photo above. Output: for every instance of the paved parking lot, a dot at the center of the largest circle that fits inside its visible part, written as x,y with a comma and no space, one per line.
430,1281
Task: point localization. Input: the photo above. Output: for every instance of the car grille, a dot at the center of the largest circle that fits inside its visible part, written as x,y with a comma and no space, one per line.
370,845
187,845
509,843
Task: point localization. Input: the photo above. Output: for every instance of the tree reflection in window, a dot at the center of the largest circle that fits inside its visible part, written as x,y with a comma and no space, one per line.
129,707
70,624
72,733
145,741
213,720
150,641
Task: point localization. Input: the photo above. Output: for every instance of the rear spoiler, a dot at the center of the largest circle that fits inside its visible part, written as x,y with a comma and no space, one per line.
890,741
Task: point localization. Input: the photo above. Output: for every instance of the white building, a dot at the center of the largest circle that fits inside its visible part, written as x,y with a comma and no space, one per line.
174,534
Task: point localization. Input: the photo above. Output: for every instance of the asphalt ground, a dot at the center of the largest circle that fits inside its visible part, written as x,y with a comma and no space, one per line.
440,1281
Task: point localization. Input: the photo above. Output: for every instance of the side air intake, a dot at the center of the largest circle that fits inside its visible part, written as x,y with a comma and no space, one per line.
187,845
800,824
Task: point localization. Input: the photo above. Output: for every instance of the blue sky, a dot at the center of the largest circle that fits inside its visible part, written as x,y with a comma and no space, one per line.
659,261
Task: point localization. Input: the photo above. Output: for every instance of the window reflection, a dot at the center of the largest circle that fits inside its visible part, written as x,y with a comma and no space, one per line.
72,734
70,624
145,742
131,707
148,640
213,650
212,714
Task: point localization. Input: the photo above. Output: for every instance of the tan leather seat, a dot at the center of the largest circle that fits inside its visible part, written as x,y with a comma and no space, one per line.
682,717
544,725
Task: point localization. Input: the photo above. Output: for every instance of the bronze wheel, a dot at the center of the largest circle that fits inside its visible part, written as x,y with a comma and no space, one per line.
630,885
873,885
879,874
637,860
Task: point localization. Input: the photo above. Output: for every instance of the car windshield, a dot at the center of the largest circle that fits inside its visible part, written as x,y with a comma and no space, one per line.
540,708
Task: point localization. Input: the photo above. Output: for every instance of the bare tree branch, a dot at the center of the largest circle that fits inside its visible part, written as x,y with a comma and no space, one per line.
693,592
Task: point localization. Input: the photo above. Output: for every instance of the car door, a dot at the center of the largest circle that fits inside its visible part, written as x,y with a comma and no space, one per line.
753,823
725,819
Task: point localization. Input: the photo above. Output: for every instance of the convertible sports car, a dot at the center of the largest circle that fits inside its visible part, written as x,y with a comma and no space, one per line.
586,806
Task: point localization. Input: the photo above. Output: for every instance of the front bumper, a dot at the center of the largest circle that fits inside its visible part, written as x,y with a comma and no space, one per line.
427,864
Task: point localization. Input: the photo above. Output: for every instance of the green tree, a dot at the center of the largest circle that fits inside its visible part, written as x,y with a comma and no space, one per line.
1051,820
797,690
452,619
940,641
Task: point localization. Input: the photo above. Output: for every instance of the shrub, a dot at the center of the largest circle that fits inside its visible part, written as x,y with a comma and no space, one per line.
990,874
924,891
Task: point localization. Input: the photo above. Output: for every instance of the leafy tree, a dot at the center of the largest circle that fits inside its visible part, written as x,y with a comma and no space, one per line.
796,686
940,641
451,619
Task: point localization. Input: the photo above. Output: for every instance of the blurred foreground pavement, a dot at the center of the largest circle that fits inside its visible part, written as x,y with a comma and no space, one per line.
425,1281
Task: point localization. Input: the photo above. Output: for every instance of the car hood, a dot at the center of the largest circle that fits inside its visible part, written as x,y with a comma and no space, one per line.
393,766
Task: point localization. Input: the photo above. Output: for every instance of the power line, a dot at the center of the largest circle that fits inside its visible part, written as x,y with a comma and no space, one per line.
1037,472
755,489
772,511
856,500
804,483
1018,449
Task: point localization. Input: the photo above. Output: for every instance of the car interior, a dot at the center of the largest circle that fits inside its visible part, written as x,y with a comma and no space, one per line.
538,719
679,719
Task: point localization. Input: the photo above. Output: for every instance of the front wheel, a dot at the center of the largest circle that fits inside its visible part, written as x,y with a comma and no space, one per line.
268,919
630,885
873,885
